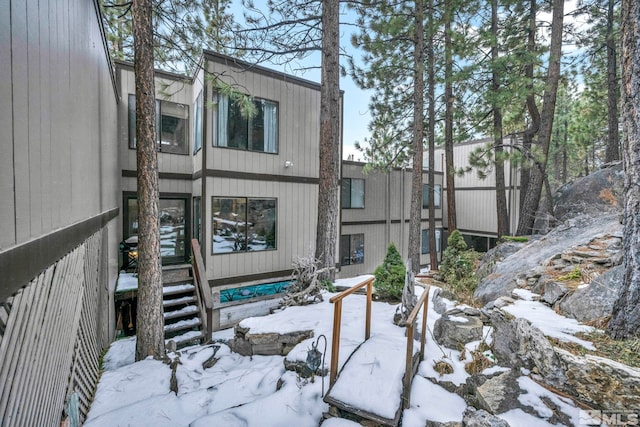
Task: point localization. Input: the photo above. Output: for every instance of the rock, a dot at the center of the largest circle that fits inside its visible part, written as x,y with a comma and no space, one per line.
517,343
442,300
456,328
553,291
267,344
496,255
439,424
528,261
599,382
480,418
595,300
499,394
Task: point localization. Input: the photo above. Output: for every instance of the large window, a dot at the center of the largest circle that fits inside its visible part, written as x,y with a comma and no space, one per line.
197,124
351,249
425,241
437,190
173,215
171,126
352,193
253,132
243,224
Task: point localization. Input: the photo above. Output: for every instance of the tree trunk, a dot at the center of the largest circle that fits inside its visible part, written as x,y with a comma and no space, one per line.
625,321
328,190
532,107
532,197
613,152
501,196
448,119
431,112
150,319
415,214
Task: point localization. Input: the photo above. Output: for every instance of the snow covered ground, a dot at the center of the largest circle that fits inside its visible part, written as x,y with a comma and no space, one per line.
258,391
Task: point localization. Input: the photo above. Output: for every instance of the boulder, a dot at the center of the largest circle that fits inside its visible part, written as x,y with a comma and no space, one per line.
523,268
443,300
480,418
457,327
266,344
595,300
496,255
500,393
553,291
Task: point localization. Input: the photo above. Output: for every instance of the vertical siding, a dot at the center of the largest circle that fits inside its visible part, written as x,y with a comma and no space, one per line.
7,225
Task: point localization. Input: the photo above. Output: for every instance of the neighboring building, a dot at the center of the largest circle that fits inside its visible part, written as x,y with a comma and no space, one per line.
476,197
375,213
59,186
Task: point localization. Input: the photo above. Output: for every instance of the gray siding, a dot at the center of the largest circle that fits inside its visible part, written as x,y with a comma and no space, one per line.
55,103
385,217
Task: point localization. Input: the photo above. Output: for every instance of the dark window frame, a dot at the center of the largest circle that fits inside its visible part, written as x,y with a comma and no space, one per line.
349,205
349,260
437,191
424,240
216,138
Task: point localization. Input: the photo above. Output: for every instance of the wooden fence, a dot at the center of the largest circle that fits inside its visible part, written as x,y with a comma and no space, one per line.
50,339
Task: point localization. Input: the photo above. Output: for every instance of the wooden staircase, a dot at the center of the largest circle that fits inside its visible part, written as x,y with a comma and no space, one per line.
182,315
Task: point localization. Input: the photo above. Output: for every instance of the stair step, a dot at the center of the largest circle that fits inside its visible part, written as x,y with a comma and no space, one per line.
183,312
187,338
178,289
177,301
182,325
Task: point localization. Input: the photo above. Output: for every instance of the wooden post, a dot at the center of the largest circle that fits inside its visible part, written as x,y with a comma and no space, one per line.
425,309
408,372
335,342
367,328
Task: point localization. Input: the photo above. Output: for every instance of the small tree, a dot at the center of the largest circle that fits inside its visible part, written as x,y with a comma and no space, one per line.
390,275
458,264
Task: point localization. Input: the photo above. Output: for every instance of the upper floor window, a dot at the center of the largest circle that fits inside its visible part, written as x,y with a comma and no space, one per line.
352,193
197,124
256,132
437,190
171,126
242,224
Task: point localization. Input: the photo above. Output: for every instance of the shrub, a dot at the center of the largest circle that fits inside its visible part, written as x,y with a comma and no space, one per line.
458,264
390,275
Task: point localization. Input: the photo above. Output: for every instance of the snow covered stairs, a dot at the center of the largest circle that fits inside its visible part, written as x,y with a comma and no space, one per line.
182,321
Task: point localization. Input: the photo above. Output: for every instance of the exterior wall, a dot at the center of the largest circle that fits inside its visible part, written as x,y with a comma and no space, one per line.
476,197
60,191
385,216
233,172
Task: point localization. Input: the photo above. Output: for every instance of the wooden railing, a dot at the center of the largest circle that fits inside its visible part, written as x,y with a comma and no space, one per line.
205,298
337,317
423,301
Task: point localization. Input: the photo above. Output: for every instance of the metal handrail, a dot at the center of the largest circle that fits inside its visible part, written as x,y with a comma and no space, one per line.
204,292
337,317
423,301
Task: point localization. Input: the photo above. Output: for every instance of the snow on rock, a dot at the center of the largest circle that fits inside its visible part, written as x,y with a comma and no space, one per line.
121,353
429,401
549,322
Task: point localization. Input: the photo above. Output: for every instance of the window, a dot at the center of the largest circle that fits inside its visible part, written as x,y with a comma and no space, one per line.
258,132
425,241
171,126
437,190
352,193
197,124
242,224
173,215
351,249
